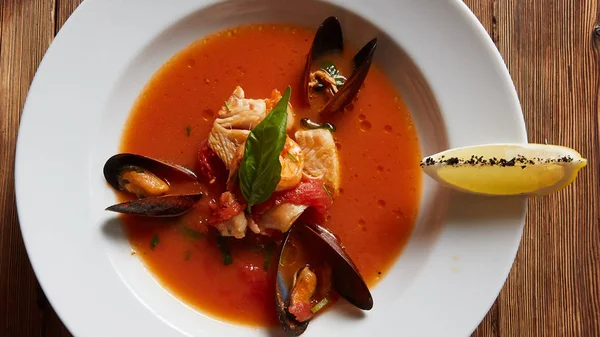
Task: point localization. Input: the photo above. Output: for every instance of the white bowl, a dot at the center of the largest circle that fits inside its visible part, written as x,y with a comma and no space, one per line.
435,52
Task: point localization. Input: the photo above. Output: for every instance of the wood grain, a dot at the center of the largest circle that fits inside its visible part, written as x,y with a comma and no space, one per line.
552,54
553,288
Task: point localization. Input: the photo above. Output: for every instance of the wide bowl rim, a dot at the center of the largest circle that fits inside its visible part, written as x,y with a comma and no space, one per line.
68,35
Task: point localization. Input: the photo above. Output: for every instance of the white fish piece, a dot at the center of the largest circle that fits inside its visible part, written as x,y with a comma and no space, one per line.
321,159
236,118
281,217
236,226
225,142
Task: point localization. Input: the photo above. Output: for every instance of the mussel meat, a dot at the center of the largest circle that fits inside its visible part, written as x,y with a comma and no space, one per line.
304,278
341,90
140,175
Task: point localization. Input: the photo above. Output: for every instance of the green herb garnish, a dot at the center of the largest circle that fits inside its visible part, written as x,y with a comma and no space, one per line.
192,233
138,169
225,252
155,241
268,254
188,130
310,125
292,157
260,170
226,106
334,72
188,255
320,305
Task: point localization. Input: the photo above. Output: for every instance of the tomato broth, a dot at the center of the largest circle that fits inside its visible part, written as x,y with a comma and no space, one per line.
233,279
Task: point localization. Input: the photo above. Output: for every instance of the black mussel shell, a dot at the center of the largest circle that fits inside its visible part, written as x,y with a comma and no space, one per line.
113,166
329,38
163,206
282,293
346,280
362,63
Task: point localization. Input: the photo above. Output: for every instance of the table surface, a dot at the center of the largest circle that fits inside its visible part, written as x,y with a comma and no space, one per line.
551,51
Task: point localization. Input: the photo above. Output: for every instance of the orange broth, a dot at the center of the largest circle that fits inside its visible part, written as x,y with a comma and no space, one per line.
378,146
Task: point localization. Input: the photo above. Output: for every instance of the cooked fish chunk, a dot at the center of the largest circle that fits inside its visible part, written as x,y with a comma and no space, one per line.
281,217
236,118
235,226
225,142
237,103
321,158
246,120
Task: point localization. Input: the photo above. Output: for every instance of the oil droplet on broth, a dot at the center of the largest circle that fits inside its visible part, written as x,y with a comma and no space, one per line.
381,203
191,63
380,168
387,128
362,117
365,125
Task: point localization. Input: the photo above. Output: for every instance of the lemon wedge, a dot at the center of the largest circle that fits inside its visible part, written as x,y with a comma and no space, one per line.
505,169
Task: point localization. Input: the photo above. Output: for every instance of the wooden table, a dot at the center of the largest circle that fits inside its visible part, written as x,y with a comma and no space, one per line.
551,49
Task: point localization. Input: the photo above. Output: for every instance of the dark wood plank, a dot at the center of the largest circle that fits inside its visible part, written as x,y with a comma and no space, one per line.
64,8
552,55
22,47
554,284
26,30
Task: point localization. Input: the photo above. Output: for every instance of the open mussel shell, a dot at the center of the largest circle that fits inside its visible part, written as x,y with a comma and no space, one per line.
282,294
346,280
161,206
329,38
115,164
362,63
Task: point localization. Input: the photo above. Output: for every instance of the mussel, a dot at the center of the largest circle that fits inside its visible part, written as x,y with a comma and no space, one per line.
301,276
329,39
141,175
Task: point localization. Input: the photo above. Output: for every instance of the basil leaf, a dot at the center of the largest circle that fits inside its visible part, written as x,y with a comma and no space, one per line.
260,170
